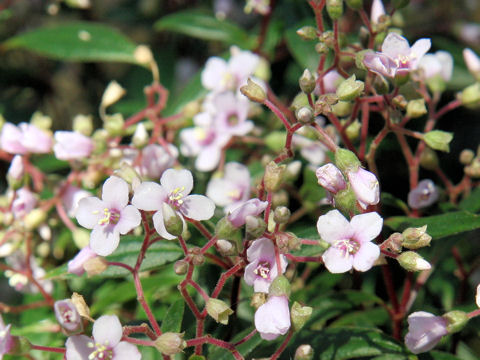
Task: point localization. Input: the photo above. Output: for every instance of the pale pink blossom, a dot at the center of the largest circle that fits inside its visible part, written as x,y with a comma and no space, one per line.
477,296
24,138
67,315
331,178
438,64
156,159
16,169
252,207
312,151
472,61
331,80
232,189
262,268
174,189
376,11
365,186
424,195
71,197
272,319
6,339
396,57
425,330
75,266
23,203
108,217
19,281
72,145
350,242
106,343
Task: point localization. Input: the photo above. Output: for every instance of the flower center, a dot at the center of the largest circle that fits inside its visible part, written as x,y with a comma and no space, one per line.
175,199
111,216
263,269
427,192
68,315
232,119
203,136
403,61
348,246
235,194
100,352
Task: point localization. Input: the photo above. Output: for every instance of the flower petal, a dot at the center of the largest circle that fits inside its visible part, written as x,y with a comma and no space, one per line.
77,347
126,351
336,262
115,192
149,196
104,239
333,226
159,225
173,179
130,218
272,319
208,158
419,49
366,226
395,45
107,329
366,256
198,207
90,211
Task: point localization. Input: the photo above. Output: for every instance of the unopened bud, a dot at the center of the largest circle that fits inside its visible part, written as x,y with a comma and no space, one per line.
473,169
198,259
226,247
416,238
400,101
140,136
173,222
81,306
321,48
438,140
218,310
466,156
258,299
281,215
300,100
180,267
225,229
143,55
275,140
324,103
328,38
83,124
304,352
346,160
253,92
254,226
279,287
353,130
342,108
112,94
394,242
335,9
473,63
429,159
350,89
411,261
416,108
273,176
307,33
304,115
16,171
170,343
456,320
114,124
331,178
300,315
470,96
307,82
35,218
95,266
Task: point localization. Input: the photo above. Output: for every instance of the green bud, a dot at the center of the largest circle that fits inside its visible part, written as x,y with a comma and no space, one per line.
226,247
173,222
321,48
399,4
299,101
437,84
281,215
438,140
354,4
287,241
324,103
253,92
218,310
20,346
400,101
346,160
34,218
114,124
429,159
43,122
416,238
273,176
411,261
350,89
225,229
307,82
335,9
307,33
180,267
170,343
345,200
262,70
342,108
280,286
470,96
300,315
276,140
304,352
83,124
456,320
254,226
353,130
416,108
466,157
394,242
360,56
304,115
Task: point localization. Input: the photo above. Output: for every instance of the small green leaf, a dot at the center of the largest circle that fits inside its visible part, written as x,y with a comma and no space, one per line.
78,41
173,319
206,27
472,202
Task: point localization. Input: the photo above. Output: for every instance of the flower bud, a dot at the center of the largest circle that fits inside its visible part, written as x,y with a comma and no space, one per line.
353,130
321,48
331,178
225,229
287,241
112,94
429,159
335,9
304,352
114,124
68,316
300,315
19,346
281,215
346,160
258,299
438,140
95,266
416,108
411,261
140,136
253,92
34,218
456,320
218,310
342,108
16,171
350,89
170,343
355,5
180,267
173,222
400,101
394,242
304,115
43,122
254,226
143,55
81,306
226,247
307,81
280,286
345,200
275,140
83,124
473,170
415,238
466,156
470,96
307,33
273,176
473,63
197,259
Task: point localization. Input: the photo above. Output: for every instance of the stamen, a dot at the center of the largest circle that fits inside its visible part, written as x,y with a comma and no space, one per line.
348,246
263,269
111,216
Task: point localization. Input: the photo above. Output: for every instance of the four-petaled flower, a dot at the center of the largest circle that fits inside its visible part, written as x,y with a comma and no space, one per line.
350,242
109,217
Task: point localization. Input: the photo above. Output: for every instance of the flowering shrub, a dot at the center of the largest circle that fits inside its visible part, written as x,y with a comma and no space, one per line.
306,213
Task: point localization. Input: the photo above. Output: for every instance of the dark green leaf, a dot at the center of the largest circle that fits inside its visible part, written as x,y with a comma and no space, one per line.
439,226
206,27
303,51
438,355
173,320
49,163
246,348
77,41
472,202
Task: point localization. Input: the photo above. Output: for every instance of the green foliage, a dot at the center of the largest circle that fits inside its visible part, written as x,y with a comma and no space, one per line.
172,322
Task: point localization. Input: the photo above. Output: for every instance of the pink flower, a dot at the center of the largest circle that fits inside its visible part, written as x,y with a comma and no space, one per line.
24,202
105,345
262,268
109,217
75,266
365,186
232,189
6,339
438,64
424,331
397,57
175,185
330,82
377,11
350,242
156,159
67,315
252,207
272,319
16,169
472,61
72,145
25,138
71,197
331,178
424,195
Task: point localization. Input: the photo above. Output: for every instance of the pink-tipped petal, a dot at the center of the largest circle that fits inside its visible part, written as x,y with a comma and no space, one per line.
336,261
130,218
366,226
333,226
149,196
107,329
366,256
198,207
115,192
174,179
104,239
90,211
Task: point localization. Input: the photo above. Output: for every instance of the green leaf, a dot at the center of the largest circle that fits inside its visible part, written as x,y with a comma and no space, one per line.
173,319
303,51
77,41
472,202
438,226
194,90
246,348
49,163
438,355
206,27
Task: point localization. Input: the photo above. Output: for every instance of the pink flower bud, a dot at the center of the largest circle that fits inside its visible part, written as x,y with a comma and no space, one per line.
365,186
34,139
75,266
67,315
72,145
272,319
376,11
16,169
424,331
331,178
6,339
24,202
472,61
424,195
